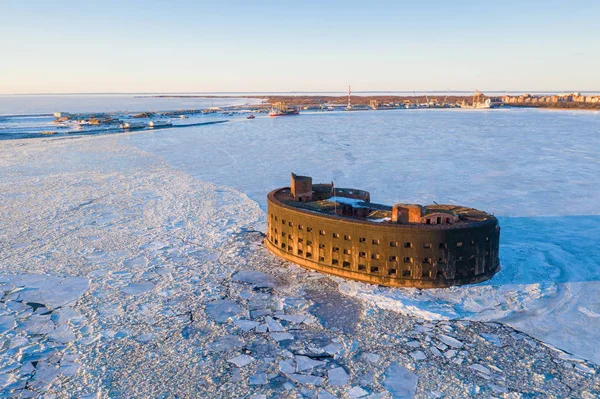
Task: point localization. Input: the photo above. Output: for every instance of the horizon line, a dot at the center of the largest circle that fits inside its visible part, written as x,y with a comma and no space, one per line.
343,92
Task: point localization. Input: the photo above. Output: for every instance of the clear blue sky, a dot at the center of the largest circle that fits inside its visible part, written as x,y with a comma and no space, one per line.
190,46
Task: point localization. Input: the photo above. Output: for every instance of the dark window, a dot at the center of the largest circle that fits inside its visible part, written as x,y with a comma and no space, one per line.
448,220
322,232
406,273
407,259
276,231
427,260
308,242
299,252
362,239
276,241
321,246
427,246
440,273
336,235
283,245
300,239
335,261
275,217
374,269
308,255
291,237
347,251
291,224
428,221
346,264
375,242
283,233
335,249
282,221
459,244
407,245
439,220
441,260
290,248
392,272
393,243
309,229
393,258
300,227
374,256
321,259
362,254
362,267
443,246
425,274
347,238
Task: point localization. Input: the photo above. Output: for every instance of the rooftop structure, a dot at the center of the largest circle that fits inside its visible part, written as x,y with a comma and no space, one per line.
341,232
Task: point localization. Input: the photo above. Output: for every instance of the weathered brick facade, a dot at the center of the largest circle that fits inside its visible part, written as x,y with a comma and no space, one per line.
391,253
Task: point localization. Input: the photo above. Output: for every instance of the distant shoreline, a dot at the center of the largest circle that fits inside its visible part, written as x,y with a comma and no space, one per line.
312,101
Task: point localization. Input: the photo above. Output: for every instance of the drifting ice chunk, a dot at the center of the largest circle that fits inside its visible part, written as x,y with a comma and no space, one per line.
338,376
274,326
480,368
453,342
7,323
306,379
246,325
258,279
333,348
62,334
492,338
241,360
306,363
285,367
138,288
356,392
222,309
258,379
323,394
418,355
282,336
400,381
226,343
53,292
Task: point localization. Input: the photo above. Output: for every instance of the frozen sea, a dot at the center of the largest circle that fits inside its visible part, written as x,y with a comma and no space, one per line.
538,171
119,255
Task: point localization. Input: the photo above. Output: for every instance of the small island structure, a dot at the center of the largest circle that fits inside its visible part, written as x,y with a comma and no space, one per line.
341,232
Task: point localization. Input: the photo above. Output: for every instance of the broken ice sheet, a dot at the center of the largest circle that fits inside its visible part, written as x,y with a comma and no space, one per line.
138,288
226,343
7,323
245,325
400,381
241,360
51,291
338,376
306,363
256,278
222,309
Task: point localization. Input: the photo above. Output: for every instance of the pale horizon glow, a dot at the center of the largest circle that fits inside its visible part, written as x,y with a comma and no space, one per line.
198,47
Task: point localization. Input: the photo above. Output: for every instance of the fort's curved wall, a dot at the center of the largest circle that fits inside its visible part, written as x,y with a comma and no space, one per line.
402,255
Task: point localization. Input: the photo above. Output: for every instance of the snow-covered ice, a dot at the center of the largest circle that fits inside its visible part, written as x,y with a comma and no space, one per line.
118,264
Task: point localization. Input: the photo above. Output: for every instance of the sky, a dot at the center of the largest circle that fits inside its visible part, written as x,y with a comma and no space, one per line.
277,46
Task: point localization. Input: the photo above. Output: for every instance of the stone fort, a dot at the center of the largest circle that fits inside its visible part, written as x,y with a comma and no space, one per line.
341,232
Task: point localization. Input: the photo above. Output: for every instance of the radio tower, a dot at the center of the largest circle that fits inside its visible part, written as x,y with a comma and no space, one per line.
349,93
